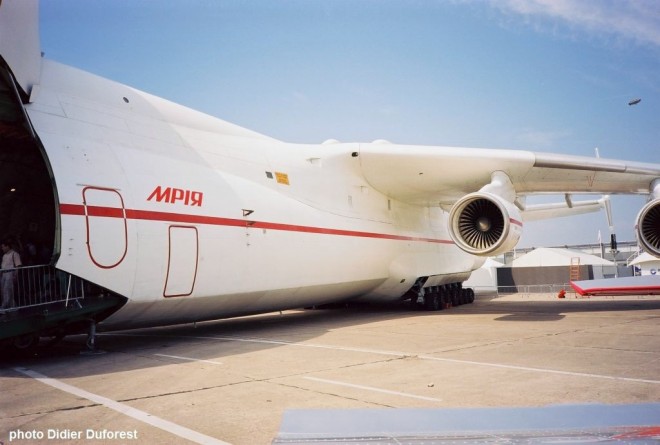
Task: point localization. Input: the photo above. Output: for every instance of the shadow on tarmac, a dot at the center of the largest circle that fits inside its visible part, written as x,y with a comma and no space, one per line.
136,349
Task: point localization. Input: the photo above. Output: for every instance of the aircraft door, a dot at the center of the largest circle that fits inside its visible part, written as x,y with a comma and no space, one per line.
183,257
107,230
28,214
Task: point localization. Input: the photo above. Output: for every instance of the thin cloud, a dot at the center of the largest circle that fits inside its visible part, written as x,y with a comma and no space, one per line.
539,139
636,20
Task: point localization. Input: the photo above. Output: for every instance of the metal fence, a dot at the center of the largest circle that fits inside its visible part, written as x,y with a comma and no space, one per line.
524,289
534,288
38,285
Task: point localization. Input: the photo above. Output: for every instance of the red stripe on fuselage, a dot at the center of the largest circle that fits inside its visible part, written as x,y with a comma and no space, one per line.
72,209
109,212
148,215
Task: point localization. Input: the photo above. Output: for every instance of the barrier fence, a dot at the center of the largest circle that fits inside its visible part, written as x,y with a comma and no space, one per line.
534,289
524,289
38,285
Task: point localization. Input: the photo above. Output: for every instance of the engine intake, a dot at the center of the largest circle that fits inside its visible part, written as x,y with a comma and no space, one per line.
648,227
484,224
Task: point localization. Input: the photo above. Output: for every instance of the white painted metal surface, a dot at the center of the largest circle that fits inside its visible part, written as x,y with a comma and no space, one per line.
193,218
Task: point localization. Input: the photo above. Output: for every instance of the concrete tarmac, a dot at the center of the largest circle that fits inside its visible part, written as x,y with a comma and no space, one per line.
230,381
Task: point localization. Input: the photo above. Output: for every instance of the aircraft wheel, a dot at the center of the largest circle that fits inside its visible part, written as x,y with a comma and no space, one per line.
470,293
431,301
453,295
445,301
25,344
438,301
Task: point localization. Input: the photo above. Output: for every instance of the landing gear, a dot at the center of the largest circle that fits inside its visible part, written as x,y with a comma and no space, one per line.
432,300
91,341
26,344
470,295
454,296
443,297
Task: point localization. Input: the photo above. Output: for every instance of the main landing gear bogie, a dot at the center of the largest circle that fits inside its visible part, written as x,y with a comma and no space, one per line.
443,297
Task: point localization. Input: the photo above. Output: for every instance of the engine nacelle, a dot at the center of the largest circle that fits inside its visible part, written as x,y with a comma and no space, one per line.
484,224
647,227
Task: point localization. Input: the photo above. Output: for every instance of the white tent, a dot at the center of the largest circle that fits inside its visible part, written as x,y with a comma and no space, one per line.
484,279
547,256
647,263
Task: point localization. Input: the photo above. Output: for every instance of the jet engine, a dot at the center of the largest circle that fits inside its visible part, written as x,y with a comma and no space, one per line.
648,227
485,224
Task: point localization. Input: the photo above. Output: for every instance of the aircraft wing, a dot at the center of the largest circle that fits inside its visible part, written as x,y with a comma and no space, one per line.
442,175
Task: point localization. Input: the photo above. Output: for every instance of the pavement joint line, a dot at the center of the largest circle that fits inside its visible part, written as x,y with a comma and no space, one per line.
371,388
189,359
332,394
190,391
57,410
403,355
528,368
127,410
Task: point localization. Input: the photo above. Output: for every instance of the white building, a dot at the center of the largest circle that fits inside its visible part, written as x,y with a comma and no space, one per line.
484,279
552,256
646,264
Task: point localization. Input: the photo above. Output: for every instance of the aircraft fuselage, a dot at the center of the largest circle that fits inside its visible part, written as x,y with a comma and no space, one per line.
192,218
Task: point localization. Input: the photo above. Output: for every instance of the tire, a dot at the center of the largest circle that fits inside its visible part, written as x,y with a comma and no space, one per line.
453,294
470,295
431,301
25,344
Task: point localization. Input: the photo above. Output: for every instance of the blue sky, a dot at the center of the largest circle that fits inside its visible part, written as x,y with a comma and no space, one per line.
542,75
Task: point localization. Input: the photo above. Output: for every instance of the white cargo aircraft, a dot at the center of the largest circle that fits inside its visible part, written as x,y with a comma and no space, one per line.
160,214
